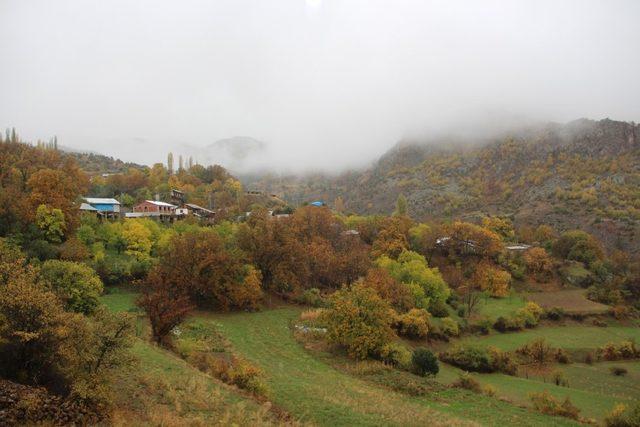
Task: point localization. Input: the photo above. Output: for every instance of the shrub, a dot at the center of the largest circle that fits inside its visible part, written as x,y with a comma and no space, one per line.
622,351
466,381
618,371
562,356
360,321
560,379
538,351
77,285
395,355
312,297
502,361
482,326
554,313
547,404
424,362
622,416
588,358
468,358
240,373
505,324
438,308
599,323
450,327
489,390
414,324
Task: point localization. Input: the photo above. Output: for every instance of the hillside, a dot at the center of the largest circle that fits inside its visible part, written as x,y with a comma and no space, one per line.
583,174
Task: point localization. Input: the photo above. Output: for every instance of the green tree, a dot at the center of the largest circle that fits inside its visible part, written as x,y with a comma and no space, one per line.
412,269
77,285
51,222
424,362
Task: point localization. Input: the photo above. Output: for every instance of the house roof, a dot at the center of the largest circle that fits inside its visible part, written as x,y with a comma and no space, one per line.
194,206
87,207
157,203
101,201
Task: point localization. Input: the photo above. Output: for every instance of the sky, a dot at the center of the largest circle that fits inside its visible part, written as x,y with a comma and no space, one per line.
325,84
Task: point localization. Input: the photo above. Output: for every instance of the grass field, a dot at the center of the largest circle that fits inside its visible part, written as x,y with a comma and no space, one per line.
314,391
567,337
162,389
496,307
571,301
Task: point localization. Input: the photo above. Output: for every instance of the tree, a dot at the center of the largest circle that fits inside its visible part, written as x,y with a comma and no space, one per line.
578,245
392,239
470,240
170,163
411,268
424,362
539,263
138,238
77,285
51,222
360,321
492,279
338,204
401,205
499,225
389,289
180,164
166,304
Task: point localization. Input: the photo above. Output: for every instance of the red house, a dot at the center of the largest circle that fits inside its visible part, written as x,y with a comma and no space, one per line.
152,208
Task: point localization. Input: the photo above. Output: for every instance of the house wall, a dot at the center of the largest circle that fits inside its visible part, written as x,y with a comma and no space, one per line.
106,207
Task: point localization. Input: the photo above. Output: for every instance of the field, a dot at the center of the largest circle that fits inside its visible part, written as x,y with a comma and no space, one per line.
162,389
311,389
315,387
571,301
568,337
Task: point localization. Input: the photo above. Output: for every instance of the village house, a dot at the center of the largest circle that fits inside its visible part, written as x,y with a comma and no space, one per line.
103,207
154,209
195,210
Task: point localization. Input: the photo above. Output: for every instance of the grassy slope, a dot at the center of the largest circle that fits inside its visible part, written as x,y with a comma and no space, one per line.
567,337
164,390
314,391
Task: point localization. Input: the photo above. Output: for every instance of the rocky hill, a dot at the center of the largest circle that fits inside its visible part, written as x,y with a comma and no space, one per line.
583,174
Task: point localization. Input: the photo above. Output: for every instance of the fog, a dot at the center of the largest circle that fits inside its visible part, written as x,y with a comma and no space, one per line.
325,84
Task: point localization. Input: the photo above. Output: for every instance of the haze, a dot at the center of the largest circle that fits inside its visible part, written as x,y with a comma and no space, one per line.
325,84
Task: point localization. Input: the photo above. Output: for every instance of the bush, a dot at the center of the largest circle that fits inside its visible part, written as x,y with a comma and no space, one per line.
395,355
624,350
360,321
466,381
505,324
554,313
424,362
599,323
538,351
414,324
482,326
547,404
526,317
618,371
560,379
622,416
240,373
450,327
77,285
562,356
312,297
502,361
438,308
468,358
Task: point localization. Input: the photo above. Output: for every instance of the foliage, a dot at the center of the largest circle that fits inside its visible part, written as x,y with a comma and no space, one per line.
398,295
621,351
413,324
539,264
312,297
467,382
77,285
578,245
491,279
475,359
547,404
424,362
166,304
450,327
51,222
395,354
360,321
412,268
623,416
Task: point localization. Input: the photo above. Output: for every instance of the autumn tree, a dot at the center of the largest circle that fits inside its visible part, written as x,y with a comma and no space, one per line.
499,225
77,285
51,222
397,294
539,264
491,279
360,321
392,238
166,303
578,245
